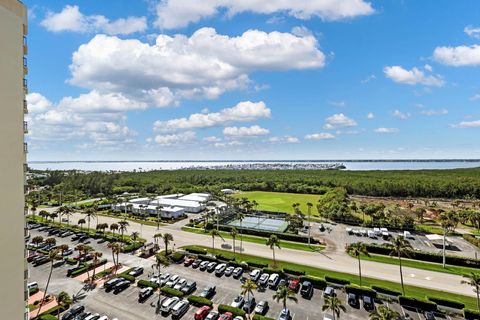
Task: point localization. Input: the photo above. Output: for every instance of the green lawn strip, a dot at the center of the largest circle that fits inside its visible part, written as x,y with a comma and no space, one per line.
435,229
144,222
431,266
259,240
411,291
281,201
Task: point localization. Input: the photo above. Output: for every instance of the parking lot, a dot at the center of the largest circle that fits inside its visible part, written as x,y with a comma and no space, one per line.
125,305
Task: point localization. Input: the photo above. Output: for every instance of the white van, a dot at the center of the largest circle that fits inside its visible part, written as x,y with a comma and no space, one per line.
103,318
273,280
372,234
32,286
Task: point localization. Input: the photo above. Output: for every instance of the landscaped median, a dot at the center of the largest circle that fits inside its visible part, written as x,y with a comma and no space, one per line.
260,240
322,276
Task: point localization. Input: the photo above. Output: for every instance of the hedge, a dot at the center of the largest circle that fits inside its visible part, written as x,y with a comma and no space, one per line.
318,283
88,267
267,234
177,256
259,317
271,270
47,317
447,303
127,277
257,265
294,272
32,291
362,291
132,247
234,264
206,258
196,250
471,314
199,301
472,239
386,291
222,308
171,292
71,261
226,259
427,256
146,283
338,281
417,303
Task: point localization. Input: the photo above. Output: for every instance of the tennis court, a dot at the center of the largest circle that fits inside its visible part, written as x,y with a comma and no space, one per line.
262,223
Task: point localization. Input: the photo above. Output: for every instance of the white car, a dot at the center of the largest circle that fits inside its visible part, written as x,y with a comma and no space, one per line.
154,278
168,304
172,280
163,279
180,284
255,274
180,308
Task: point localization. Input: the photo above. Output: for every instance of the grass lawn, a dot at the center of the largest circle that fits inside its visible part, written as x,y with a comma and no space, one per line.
435,229
144,222
411,291
260,240
421,265
281,202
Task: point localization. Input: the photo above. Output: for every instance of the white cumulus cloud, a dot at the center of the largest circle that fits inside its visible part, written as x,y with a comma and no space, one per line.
413,76
467,124
370,116
172,139
239,132
339,120
71,19
179,13
472,31
386,130
245,111
434,112
319,136
458,56
401,115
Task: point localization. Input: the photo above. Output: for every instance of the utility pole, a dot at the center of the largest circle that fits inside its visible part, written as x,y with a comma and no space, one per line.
309,205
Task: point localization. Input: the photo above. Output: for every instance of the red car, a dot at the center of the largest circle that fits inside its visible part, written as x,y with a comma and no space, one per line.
188,262
202,313
294,285
226,316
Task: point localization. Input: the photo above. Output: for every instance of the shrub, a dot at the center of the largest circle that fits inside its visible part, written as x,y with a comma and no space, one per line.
235,311
234,264
447,303
417,303
199,301
47,317
146,283
318,283
271,270
257,264
71,261
471,314
171,292
362,291
259,317
177,256
338,281
132,247
127,277
294,272
386,291
32,291
206,258
221,257
472,239
196,250
266,234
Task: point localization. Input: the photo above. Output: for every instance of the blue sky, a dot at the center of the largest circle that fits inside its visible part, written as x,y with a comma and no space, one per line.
218,79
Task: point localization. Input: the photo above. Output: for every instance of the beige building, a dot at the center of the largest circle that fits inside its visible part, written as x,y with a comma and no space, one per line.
13,87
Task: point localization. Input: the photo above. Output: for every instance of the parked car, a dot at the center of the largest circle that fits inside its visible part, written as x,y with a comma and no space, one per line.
273,280
429,315
282,282
172,281
328,317
32,285
255,274
180,308
294,285
94,316
237,273
285,315
136,272
368,303
73,311
180,284
102,240
212,315
226,316
71,270
208,292
188,262
238,302
263,281
249,305
203,265
307,290
40,261
211,266
155,278
352,300
202,313
229,271
220,269
196,263
103,318
163,279
238,318
189,287
122,285
329,292
32,256
145,293
262,307
66,252
86,257
168,304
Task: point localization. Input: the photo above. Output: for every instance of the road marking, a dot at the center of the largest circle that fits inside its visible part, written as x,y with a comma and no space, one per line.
412,275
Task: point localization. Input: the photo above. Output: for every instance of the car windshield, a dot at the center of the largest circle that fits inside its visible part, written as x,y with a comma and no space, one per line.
238,298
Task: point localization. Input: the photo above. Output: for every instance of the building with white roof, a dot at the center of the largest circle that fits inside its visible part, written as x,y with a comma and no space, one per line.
192,203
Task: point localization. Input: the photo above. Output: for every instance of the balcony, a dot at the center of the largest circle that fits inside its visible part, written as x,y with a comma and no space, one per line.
25,85
25,66
25,107
25,147
25,29
25,46
25,127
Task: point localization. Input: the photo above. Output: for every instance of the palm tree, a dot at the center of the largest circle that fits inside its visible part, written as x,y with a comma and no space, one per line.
81,222
214,233
53,256
160,261
102,227
383,313
50,241
115,247
335,305
448,222
53,215
233,234
113,227
62,248
59,213
273,242
134,235
283,294
240,217
167,238
473,280
401,247
68,212
158,209
95,255
157,236
357,249
123,224
247,289
309,206
63,300
44,214
36,240
90,213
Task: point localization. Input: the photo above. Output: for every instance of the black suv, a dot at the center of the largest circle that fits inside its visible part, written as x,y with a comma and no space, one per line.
307,290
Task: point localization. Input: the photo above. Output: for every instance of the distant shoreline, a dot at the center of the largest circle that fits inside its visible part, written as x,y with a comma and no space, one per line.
259,161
